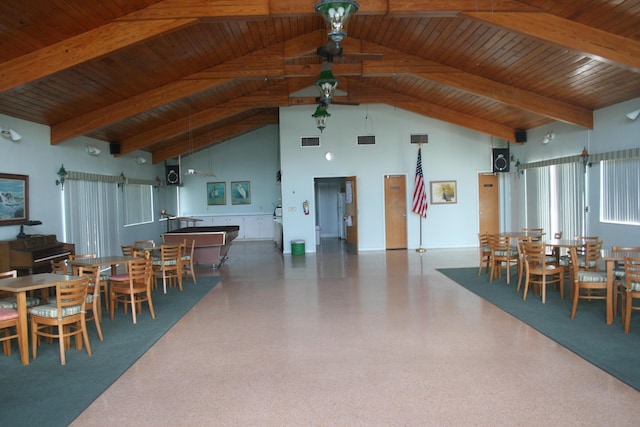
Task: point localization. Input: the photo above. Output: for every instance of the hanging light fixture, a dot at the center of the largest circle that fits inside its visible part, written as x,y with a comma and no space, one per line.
321,115
336,14
10,134
327,83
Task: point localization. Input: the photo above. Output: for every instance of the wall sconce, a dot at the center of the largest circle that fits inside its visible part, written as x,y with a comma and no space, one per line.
633,115
122,180
519,167
336,14
141,160
157,184
10,134
321,115
62,175
550,136
92,151
585,158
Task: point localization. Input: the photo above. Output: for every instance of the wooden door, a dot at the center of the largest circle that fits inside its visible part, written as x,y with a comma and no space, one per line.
489,204
395,211
351,211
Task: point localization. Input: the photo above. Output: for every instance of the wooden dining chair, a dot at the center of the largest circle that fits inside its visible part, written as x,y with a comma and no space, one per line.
9,328
103,282
186,259
631,290
144,243
127,250
484,252
588,283
501,254
169,266
135,290
93,307
67,315
538,272
537,231
60,267
520,241
619,272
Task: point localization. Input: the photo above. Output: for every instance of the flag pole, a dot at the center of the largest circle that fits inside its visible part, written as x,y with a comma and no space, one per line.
420,249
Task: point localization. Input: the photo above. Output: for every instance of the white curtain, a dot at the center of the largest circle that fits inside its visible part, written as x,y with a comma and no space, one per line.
620,195
91,216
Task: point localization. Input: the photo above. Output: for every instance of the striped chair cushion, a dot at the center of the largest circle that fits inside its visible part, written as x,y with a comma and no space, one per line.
619,273
510,252
169,262
564,260
8,313
11,302
631,287
188,257
592,276
51,311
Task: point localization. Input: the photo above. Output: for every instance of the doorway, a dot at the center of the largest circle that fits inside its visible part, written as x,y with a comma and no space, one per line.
336,211
488,203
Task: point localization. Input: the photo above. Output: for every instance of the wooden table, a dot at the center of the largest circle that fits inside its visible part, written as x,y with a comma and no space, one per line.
20,286
610,257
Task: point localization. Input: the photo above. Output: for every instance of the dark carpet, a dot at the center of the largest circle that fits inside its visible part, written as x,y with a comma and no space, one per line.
47,393
587,335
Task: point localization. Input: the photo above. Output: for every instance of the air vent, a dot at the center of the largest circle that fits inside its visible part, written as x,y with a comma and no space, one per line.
366,139
310,141
417,139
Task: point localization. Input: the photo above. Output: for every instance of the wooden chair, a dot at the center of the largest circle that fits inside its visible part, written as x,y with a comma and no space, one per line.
587,276
631,290
127,250
521,261
186,259
539,272
537,231
619,272
104,279
67,315
144,243
484,252
92,302
59,267
169,266
135,290
501,252
9,328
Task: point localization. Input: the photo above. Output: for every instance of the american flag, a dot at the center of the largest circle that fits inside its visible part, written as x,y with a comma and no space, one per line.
419,193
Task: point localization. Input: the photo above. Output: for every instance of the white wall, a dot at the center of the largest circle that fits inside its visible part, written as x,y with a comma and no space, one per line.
35,157
453,153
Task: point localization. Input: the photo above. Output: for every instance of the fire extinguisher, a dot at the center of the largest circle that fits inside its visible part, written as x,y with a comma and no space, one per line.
305,207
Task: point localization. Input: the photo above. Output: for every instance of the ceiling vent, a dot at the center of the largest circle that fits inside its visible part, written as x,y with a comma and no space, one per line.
419,139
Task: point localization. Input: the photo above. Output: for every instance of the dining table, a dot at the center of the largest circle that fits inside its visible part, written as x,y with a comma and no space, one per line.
610,257
20,286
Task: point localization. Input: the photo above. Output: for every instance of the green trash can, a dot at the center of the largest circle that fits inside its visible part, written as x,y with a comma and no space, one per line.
297,247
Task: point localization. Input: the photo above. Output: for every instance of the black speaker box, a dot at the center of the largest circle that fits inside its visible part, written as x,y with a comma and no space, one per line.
521,136
173,175
114,148
500,160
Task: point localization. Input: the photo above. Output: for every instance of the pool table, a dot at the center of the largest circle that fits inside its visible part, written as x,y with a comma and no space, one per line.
212,242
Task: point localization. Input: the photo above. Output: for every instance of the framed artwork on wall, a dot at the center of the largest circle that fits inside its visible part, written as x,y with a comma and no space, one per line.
240,192
14,199
444,192
216,194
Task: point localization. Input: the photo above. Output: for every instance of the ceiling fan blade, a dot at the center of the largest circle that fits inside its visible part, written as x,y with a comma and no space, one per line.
363,56
350,103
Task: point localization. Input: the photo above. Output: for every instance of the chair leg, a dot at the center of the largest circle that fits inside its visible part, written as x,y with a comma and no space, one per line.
526,286
576,296
61,343
627,313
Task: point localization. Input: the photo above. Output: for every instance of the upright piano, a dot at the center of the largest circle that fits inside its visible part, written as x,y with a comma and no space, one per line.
33,253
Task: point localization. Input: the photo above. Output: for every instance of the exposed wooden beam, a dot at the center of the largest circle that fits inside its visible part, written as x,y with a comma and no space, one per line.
598,44
84,47
216,136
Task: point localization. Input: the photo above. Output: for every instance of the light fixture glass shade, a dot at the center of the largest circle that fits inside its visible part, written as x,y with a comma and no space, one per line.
141,160
336,14
15,136
92,151
550,136
321,115
327,84
633,115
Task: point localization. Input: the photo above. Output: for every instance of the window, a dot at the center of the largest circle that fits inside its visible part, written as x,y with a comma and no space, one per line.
619,195
138,204
555,197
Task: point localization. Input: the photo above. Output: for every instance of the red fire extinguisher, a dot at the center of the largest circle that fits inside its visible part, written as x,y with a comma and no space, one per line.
305,207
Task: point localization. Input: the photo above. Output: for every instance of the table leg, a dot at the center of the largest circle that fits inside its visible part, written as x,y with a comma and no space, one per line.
610,314
23,330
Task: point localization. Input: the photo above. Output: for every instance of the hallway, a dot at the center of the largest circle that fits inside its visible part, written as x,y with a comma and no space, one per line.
375,339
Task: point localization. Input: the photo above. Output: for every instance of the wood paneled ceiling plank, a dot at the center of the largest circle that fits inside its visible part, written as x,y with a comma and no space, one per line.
194,9
591,41
81,48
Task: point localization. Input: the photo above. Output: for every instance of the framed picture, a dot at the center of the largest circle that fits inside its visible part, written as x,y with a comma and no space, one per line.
14,199
443,192
216,194
240,192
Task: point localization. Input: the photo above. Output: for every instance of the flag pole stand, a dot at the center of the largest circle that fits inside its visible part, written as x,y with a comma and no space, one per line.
420,249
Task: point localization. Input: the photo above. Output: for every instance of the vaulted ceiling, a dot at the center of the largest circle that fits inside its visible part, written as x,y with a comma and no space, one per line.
174,76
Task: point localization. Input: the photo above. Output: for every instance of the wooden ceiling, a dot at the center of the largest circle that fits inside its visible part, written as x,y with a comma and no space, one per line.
174,76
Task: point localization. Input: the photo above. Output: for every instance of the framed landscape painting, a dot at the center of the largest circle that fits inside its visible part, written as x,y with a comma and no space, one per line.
443,192
216,193
14,199
240,192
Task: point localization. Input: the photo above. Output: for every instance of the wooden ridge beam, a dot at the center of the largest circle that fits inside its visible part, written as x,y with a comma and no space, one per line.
598,44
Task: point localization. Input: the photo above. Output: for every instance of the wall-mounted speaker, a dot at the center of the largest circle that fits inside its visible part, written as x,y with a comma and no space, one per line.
500,160
173,174
521,136
114,148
